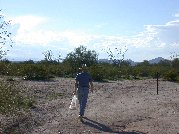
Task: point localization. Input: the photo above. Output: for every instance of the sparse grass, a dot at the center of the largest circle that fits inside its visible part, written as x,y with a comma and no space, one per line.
54,96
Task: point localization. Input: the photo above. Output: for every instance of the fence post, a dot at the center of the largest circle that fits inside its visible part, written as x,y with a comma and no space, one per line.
157,82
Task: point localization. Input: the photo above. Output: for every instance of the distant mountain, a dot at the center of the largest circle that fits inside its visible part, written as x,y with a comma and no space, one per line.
156,60
105,61
133,63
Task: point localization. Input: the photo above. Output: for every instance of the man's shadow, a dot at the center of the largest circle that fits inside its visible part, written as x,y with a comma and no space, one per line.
103,127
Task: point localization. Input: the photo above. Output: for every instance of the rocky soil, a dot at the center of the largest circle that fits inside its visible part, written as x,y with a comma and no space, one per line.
121,107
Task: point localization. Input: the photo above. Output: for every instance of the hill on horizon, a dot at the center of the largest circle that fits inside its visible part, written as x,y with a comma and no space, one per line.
133,63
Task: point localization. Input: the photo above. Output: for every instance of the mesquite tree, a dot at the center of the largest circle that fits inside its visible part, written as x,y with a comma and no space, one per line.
117,56
5,35
81,56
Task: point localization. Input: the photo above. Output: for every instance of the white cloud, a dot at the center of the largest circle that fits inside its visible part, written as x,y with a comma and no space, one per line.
29,32
75,38
46,37
99,26
176,15
168,33
28,23
153,38
27,29
36,37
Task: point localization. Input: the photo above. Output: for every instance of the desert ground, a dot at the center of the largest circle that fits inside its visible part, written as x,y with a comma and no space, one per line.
121,107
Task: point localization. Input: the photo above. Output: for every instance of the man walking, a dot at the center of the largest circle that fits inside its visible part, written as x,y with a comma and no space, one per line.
83,83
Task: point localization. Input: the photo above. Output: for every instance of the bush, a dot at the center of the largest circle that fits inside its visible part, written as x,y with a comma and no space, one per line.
97,73
11,101
171,75
35,72
113,74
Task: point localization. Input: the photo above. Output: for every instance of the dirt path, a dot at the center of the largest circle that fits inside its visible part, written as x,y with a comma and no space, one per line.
124,107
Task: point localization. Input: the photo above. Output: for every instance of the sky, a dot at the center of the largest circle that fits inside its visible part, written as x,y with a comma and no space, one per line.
141,29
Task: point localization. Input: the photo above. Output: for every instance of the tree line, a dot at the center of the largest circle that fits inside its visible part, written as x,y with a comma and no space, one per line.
68,67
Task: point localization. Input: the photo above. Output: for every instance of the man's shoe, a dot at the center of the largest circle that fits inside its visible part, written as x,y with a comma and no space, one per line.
80,118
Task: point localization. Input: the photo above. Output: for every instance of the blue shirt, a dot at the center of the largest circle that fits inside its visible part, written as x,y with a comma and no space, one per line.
84,78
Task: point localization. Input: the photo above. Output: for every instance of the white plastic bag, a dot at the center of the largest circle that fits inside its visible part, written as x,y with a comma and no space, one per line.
73,104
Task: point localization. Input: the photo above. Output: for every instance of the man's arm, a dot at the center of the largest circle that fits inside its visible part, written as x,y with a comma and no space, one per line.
76,86
91,86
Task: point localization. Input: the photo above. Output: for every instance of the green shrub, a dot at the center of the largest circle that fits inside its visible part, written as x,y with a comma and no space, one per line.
171,75
3,68
35,72
11,100
97,73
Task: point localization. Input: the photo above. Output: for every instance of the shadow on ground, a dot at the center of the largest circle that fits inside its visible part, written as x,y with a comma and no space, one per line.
104,128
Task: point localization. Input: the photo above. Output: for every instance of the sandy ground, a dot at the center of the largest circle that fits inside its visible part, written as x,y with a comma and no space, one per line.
122,107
